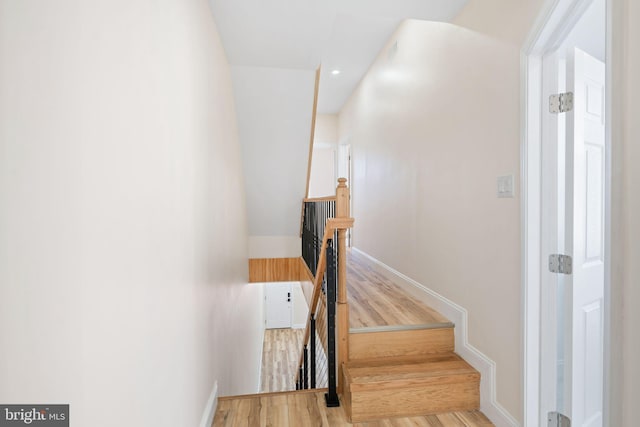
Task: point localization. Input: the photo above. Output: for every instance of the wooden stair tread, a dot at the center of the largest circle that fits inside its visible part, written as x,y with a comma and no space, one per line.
436,368
381,387
402,328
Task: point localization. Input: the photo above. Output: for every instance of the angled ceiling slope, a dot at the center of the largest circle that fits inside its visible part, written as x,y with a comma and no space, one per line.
300,34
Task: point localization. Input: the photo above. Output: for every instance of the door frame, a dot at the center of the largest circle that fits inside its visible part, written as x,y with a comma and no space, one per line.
556,19
346,144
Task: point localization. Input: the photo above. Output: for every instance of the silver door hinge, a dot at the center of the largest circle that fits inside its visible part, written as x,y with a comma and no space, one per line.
562,264
561,103
556,419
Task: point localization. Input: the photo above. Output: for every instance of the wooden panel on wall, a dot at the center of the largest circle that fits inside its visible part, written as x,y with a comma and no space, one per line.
274,270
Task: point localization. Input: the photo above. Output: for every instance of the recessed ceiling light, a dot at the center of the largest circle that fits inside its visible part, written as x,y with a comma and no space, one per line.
335,72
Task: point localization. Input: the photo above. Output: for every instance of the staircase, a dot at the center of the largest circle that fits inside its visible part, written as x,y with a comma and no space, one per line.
405,373
394,357
371,353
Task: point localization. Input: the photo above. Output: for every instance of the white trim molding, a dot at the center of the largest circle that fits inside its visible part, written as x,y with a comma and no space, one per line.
210,409
459,316
556,19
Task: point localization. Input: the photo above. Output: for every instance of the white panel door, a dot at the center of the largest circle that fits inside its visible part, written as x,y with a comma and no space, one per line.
585,221
278,305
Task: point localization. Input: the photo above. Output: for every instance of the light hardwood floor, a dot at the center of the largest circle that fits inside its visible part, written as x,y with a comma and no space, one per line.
280,356
376,301
308,409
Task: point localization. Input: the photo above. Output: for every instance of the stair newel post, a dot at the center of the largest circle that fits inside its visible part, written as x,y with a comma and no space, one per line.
342,211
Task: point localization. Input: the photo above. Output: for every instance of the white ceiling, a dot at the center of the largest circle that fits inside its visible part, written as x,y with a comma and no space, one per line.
301,34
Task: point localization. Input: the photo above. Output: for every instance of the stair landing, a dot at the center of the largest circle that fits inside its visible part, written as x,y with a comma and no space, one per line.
385,321
377,302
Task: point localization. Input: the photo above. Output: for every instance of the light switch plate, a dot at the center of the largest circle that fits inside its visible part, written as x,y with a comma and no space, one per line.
505,186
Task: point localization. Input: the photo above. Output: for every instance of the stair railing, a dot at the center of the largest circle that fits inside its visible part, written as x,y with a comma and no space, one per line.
315,213
328,319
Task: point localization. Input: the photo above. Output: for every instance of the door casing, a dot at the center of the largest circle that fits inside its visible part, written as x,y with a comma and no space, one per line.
556,20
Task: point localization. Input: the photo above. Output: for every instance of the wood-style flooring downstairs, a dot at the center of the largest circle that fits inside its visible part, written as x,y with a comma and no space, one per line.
280,357
308,409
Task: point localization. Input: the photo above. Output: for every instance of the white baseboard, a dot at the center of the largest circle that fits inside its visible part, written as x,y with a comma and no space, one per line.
459,316
298,326
210,409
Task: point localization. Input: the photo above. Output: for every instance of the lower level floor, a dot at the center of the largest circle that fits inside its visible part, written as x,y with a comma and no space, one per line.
308,409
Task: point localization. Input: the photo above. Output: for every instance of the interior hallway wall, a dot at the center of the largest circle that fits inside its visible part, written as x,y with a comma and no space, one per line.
432,126
274,120
123,229
323,179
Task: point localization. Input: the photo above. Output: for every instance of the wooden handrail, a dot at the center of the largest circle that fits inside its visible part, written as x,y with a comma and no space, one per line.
342,222
332,225
313,128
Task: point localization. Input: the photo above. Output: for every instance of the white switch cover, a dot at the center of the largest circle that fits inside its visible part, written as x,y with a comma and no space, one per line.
505,186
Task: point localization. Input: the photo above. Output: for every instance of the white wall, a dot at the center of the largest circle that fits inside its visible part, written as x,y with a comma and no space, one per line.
274,246
123,233
300,306
431,128
323,179
326,130
274,120
506,20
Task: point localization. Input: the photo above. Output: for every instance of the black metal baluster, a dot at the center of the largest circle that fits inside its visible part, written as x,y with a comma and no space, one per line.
300,379
312,345
315,216
331,397
305,369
